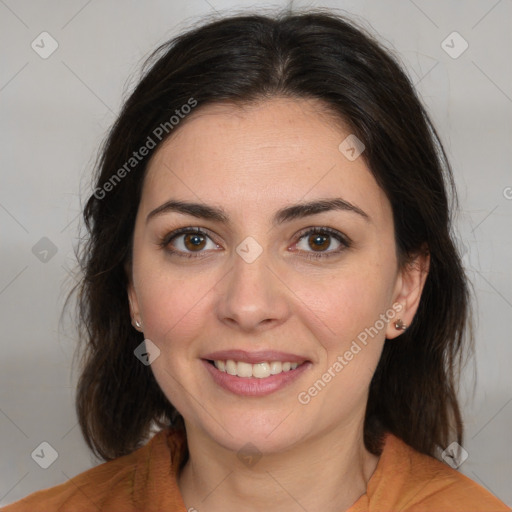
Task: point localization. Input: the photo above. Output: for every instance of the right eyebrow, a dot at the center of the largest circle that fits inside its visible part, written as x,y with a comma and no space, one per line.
198,210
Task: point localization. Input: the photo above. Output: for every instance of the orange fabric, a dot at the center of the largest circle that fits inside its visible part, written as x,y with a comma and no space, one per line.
145,480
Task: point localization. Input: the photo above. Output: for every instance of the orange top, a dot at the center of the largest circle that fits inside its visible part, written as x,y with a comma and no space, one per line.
145,480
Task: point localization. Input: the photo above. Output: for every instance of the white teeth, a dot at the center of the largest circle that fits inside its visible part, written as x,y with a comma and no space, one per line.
259,370
243,369
276,367
230,367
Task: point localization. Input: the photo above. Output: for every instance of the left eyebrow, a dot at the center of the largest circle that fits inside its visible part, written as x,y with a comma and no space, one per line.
301,210
283,215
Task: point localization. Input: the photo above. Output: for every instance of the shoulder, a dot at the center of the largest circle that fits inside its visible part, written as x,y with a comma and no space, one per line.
120,484
411,481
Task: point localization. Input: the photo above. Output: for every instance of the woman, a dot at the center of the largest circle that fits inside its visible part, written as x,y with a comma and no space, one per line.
270,282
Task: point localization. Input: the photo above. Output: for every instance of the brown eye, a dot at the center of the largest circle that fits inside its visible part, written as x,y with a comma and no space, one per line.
319,242
194,241
322,242
188,242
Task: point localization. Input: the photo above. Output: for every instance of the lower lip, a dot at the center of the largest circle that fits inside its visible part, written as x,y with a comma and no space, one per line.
252,386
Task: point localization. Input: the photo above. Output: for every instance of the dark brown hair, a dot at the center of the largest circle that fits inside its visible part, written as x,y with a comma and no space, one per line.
246,58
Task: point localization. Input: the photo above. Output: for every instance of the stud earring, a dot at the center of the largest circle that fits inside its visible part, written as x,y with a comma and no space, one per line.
138,325
400,325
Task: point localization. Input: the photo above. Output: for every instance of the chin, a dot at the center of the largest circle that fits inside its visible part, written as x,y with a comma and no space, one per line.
266,433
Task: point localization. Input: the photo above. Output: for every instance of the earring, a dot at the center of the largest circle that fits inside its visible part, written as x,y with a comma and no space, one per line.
400,325
138,325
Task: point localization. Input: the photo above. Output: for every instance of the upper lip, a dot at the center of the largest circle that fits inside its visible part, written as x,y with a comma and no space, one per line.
254,357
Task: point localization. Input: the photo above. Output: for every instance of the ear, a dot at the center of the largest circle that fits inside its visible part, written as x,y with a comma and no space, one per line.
134,303
408,289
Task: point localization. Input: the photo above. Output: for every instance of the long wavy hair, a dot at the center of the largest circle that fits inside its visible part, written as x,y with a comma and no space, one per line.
247,58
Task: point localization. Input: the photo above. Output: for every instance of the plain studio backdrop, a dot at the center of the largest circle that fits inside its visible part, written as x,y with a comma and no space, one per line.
66,67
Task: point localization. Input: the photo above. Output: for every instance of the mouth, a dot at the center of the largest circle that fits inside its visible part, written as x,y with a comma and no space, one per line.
254,373
260,370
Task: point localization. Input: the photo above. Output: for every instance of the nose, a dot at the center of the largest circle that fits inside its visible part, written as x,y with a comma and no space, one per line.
252,297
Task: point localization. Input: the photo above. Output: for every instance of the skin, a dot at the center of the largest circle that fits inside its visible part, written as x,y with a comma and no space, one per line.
252,161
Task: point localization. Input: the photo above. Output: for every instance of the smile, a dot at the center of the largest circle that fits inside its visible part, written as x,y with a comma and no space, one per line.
254,379
259,370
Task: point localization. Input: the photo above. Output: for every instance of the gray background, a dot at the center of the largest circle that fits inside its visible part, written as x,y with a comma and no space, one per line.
56,111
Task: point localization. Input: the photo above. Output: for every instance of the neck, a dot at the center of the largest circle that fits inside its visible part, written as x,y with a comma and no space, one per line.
328,473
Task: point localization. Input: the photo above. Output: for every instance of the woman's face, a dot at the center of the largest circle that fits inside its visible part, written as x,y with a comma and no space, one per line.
256,285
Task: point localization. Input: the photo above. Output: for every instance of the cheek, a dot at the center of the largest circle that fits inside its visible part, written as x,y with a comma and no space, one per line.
173,307
344,305
345,315
175,310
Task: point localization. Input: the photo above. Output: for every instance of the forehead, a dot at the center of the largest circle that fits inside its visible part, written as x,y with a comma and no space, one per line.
274,152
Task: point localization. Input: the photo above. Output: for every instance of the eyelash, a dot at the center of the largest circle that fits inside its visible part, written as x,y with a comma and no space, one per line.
342,239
